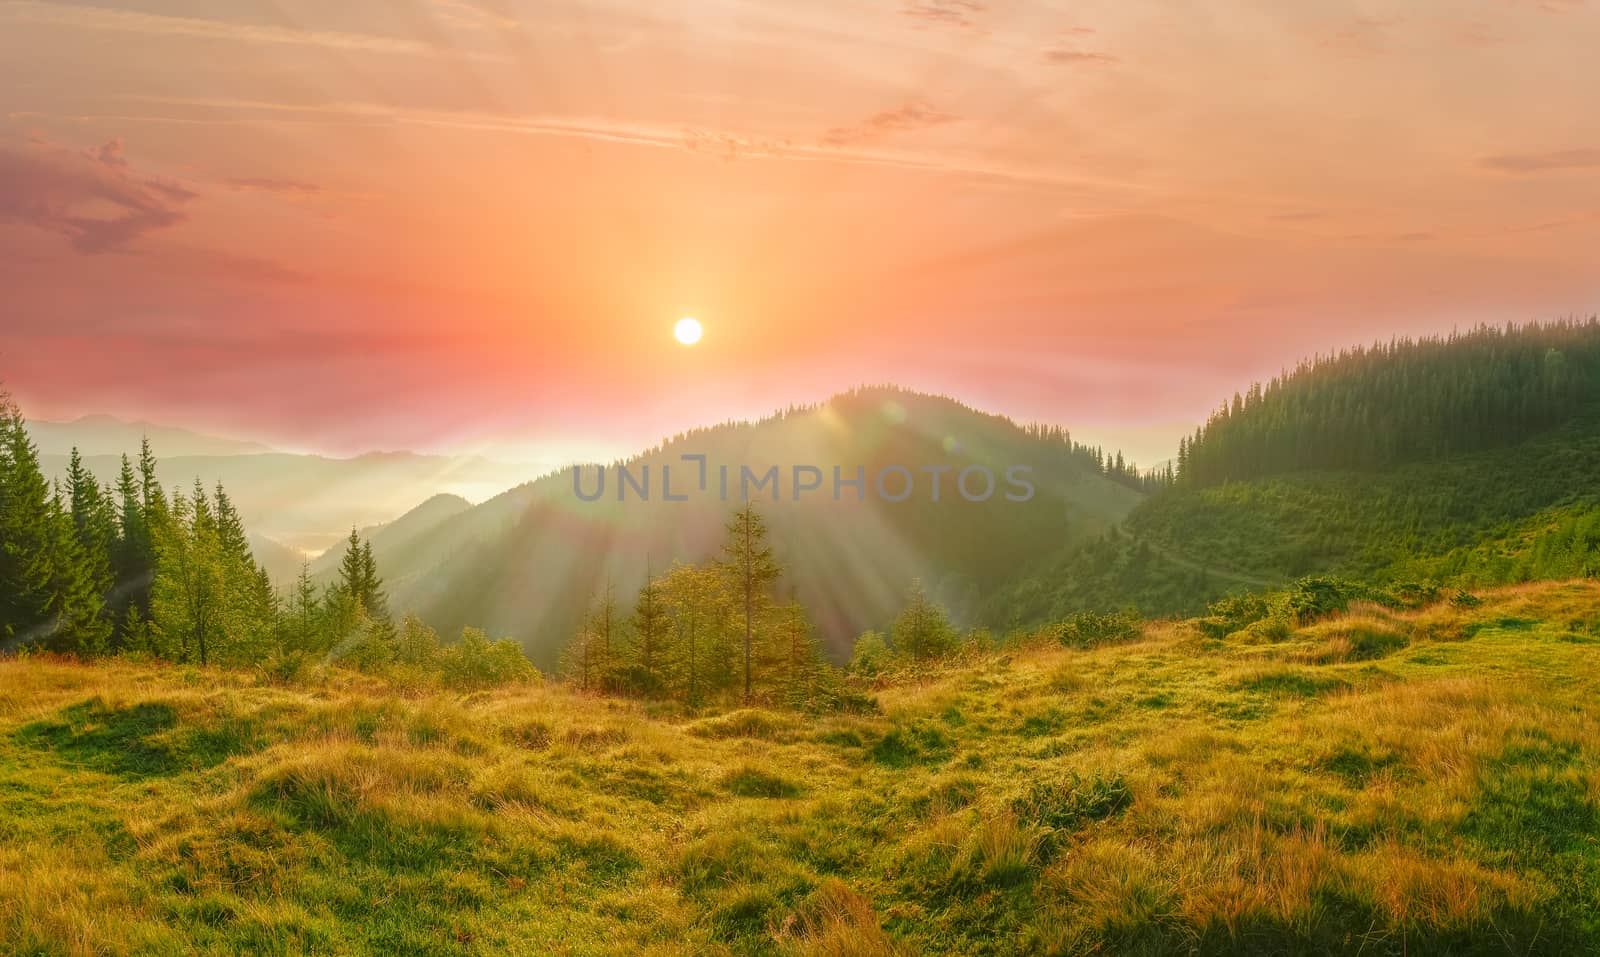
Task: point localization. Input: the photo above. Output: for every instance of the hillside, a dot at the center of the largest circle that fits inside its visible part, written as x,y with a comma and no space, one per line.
1469,460
1397,783
397,536
526,564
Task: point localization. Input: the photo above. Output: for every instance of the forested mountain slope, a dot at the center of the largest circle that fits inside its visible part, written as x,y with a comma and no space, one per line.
527,563
1473,459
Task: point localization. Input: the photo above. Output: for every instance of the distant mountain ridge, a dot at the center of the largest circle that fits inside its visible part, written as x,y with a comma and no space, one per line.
108,435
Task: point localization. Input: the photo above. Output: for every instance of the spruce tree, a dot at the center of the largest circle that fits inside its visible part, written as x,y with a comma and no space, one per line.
93,522
48,586
132,556
922,630
752,569
373,597
651,629
25,567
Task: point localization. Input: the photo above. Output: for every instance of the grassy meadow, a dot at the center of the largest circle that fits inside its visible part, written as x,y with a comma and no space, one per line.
1378,782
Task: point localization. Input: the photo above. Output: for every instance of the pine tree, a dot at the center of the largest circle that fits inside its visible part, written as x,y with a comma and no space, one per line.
373,596
80,624
25,567
48,587
697,600
801,657
651,628
752,569
133,555
187,593
305,624
358,578
922,630
598,652
93,521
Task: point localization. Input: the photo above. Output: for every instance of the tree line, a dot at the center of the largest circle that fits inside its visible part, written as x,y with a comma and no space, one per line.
1407,400
91,570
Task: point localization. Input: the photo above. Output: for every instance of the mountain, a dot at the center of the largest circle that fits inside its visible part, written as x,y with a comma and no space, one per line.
96,435
282,563
1467,460
396,536
527,563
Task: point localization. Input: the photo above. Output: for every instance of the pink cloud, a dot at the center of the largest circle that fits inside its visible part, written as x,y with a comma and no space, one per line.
93,198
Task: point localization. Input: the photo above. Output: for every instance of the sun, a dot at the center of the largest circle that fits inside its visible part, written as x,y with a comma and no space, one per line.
688,330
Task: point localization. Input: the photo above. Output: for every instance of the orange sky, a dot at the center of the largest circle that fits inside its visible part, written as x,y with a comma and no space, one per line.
450,224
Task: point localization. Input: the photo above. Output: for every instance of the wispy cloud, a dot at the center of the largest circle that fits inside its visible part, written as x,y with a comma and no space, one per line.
495,14
1079,57
726,144
955,13
1360,34
1543,162
911,116
127,21
730,146
259,184
60,190
1550,6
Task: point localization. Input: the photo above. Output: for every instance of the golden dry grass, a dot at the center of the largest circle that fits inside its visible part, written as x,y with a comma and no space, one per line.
1174,795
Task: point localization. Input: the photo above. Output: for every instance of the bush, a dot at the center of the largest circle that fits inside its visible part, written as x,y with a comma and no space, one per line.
1236,611
1270,630
1409,595
634,680
1089,629
475,661
871,655
1317,597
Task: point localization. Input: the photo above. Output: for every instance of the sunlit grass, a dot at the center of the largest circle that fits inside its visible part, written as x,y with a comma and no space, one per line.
1389,782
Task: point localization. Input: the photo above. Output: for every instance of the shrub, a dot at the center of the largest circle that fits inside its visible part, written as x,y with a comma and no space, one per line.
871,655
1237,611
1316,597
1266,630
1408,595
475,661
1089,629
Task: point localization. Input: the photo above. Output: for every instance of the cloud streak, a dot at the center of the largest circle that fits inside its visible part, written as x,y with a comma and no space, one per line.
1552,161
1079,57
908,118
263,184
722,144
93,198
954,13
150,24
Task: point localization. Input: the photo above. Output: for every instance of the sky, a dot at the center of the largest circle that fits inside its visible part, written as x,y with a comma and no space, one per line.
470,225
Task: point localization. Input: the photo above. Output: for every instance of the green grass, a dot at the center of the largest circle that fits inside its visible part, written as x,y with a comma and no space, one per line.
1385,782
